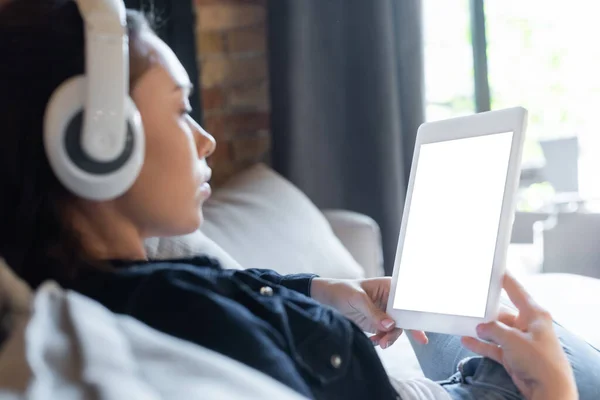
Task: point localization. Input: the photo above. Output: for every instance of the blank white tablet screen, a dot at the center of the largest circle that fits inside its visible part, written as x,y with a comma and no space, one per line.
447,256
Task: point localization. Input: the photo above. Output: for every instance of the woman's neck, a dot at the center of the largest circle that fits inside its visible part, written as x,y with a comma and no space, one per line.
105,234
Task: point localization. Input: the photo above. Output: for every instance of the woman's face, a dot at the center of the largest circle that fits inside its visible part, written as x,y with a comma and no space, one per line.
167,197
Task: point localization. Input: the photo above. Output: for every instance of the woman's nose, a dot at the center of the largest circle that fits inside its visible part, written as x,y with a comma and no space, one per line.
205,142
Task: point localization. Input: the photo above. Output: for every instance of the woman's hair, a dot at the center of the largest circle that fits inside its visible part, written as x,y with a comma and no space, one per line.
41,46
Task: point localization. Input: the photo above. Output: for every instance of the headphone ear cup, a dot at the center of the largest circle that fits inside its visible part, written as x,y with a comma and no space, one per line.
82,175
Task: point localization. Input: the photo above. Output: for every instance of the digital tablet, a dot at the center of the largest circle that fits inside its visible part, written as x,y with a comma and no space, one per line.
457,222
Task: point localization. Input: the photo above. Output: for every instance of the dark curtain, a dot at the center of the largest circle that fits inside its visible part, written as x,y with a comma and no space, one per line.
175,22
347,99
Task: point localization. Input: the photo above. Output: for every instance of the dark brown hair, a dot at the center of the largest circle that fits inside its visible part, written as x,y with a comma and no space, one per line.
41,45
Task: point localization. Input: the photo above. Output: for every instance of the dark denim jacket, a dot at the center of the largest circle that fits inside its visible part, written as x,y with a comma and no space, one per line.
257,317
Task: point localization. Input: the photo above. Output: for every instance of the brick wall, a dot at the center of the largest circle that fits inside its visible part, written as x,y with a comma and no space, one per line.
234,78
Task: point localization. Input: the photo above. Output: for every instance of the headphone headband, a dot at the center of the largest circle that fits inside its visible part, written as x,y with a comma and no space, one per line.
107,71
93,132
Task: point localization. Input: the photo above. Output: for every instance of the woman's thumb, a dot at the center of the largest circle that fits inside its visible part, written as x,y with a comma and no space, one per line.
377,317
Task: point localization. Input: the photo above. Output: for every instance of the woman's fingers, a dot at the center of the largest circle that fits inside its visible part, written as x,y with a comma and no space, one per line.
390,338
419,336
488,350
498,333
386,339
376,339
507,318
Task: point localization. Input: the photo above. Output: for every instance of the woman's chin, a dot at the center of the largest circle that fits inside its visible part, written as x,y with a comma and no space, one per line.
181,226
196,221
192,225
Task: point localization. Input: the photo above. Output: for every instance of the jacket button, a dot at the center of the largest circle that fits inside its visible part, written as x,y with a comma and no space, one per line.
266,291
336,361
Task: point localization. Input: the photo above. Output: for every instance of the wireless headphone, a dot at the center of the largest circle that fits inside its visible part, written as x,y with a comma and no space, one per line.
93,133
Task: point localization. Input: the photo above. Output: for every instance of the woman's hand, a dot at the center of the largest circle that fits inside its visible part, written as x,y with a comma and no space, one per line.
526,345
363,302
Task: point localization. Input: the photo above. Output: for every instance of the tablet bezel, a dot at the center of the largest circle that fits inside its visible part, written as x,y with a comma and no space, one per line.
482,124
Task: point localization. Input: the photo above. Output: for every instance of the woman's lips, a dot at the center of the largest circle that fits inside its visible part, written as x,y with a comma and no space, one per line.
204,190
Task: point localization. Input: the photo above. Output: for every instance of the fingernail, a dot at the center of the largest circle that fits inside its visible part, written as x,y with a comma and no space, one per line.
480,328
375,342
387,323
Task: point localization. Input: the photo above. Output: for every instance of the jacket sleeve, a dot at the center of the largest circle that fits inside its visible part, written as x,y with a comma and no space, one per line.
298,282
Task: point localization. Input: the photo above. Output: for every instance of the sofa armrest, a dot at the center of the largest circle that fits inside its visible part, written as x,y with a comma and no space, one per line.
361,236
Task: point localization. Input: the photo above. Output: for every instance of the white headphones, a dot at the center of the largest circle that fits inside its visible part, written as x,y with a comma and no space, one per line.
93,133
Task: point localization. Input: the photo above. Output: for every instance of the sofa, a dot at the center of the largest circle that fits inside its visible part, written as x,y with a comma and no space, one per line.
260,220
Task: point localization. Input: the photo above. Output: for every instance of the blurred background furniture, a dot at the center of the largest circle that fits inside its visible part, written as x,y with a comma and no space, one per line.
561,168
569,242
562,233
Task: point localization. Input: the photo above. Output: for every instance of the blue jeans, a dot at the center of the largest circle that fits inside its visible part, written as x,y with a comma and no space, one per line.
484,379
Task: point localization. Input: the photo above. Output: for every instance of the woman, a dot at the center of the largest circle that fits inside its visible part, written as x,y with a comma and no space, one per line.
276,324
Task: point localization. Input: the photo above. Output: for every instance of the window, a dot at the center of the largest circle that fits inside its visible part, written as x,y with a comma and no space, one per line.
542,55
449,85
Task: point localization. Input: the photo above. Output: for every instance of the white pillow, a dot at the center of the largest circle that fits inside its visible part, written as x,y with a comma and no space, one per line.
194,244
263,221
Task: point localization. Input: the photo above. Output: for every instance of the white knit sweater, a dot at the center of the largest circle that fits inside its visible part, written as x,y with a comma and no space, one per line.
419,389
